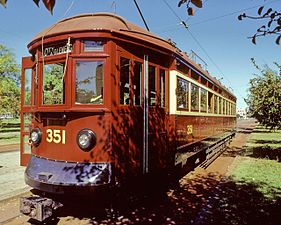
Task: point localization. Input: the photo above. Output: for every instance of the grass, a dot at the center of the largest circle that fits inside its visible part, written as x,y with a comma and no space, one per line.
9,138
264,174
262,136
10,131
261,168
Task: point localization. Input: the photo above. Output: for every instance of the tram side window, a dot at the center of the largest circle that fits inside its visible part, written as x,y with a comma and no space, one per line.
223,106
27,88
182,93
216,110
53,84
203,103
162,88
226,107
137,83
210,102
124,81
89,82
194,97
151,86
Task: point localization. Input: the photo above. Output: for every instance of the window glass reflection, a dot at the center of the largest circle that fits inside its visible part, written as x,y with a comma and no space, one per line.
89,82
27,89
53,84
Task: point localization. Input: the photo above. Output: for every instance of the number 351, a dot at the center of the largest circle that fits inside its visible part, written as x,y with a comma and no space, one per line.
56,136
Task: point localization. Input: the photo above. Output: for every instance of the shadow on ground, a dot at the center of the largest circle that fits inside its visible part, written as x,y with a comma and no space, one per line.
266,152
204,199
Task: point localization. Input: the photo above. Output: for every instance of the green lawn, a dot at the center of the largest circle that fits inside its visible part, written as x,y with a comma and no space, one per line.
263,174
10,131
261,167
262,136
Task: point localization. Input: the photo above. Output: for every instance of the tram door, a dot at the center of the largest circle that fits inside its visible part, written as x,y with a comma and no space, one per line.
28,99
141,128
154,132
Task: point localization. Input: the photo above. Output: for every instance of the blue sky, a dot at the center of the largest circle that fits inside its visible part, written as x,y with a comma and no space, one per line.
222,39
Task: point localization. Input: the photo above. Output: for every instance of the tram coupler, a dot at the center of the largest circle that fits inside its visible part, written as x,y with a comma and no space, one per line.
38,208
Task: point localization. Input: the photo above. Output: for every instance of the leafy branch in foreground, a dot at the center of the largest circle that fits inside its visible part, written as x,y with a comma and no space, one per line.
190,10
49,4
272,25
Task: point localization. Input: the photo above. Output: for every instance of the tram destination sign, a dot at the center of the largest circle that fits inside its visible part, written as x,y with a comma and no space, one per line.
57,50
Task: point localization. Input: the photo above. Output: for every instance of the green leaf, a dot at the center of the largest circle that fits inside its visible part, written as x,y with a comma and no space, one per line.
197,3
279,21
269,23
190,11
268,11
181,2
260,10
3,2
240,17
49,4
254,39
36,2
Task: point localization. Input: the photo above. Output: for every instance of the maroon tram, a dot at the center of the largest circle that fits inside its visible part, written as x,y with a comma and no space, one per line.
104,100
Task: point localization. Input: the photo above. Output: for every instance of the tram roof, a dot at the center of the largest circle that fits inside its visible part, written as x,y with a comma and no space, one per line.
104,21
101,22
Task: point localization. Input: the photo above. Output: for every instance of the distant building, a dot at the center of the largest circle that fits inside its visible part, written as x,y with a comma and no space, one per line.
6,116
242,113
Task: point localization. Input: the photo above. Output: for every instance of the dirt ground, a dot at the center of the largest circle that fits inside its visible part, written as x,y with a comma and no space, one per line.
204,196
8,148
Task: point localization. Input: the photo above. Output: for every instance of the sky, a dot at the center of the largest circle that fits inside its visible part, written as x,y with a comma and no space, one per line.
214,32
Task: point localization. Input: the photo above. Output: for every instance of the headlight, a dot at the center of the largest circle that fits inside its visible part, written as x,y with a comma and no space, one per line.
86,139
36,136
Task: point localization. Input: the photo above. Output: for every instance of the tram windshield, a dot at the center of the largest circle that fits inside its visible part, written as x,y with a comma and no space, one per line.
89,82
53,84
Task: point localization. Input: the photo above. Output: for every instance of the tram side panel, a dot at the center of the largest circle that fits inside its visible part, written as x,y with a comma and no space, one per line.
127,141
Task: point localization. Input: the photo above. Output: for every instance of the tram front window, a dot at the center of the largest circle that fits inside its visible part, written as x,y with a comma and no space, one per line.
53,84
89,82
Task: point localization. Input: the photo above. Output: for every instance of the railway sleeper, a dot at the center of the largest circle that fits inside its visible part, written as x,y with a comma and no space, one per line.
39,208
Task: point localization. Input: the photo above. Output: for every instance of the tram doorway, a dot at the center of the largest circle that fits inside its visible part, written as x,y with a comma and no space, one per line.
28,102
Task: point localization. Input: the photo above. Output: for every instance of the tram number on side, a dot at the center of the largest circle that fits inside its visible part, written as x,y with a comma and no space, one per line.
189,129
56,136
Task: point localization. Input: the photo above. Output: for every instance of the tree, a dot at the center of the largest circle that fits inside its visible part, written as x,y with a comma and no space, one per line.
49,4
264,98
9,83
272,25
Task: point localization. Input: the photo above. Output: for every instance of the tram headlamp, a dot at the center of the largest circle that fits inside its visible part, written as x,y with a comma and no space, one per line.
86,139
35,136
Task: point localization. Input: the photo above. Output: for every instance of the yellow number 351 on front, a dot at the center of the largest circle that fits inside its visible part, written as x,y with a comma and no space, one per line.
56,136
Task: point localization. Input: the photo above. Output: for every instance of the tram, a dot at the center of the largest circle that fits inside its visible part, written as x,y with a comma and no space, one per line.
103,100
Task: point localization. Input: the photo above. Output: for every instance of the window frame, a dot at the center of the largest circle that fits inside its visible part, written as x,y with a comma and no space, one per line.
67,80
159,98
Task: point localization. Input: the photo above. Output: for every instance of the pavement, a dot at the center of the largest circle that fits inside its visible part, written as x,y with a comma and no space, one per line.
11,174
9,148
